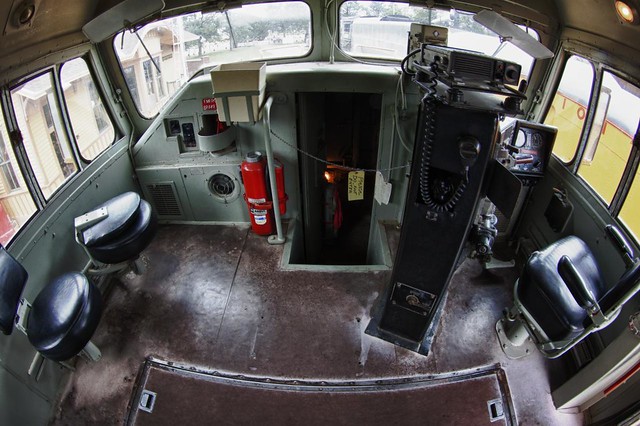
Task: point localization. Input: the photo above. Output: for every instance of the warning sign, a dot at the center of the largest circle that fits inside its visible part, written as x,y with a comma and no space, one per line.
355,185
209,104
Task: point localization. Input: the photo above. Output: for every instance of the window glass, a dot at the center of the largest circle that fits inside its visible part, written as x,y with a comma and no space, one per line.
610,139
569,107
92,126
16,204
629,213
182,45
43,133
380,30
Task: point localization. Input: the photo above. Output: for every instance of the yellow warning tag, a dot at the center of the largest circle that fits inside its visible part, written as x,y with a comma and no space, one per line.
356,186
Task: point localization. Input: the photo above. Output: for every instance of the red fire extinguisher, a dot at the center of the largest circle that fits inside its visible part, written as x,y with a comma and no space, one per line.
258,192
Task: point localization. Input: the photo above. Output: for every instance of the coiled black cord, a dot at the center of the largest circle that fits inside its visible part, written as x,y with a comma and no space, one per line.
428,137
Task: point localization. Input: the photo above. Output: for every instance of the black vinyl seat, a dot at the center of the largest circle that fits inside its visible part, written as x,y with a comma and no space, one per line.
63,316
543,292
128,228
562,297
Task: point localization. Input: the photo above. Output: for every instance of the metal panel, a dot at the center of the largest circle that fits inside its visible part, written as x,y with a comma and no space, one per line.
207,200
154,180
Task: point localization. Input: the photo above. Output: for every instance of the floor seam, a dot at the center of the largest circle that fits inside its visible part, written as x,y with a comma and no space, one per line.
233,280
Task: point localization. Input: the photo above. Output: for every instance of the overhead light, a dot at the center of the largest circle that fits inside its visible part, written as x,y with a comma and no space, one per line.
627,13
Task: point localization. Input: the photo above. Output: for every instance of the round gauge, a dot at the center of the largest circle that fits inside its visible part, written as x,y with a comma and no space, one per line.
521,139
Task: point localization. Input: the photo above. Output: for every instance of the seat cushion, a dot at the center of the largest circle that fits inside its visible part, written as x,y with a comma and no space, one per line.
64,316
122,211
544,294
13,277
131,241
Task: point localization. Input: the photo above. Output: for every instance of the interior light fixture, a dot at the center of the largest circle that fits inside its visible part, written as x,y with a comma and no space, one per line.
627,13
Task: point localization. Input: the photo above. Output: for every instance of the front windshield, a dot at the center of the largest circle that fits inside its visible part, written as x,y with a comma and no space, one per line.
180,46
374,29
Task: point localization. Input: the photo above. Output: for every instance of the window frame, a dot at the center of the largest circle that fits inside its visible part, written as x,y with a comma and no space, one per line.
34,184
586,128
67,116
135,98
15,132
632,164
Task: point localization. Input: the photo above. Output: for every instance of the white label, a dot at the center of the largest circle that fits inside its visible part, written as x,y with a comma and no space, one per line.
382,192
256,200
260,220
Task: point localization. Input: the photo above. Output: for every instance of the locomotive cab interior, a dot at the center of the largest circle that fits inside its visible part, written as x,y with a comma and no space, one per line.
324,211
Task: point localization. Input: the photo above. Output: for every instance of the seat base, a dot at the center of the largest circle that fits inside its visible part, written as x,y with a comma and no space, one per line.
518,347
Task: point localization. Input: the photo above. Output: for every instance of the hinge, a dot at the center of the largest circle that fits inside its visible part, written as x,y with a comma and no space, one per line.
24,308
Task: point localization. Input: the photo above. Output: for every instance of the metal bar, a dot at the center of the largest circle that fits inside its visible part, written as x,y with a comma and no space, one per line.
35,369
226,109
249,101
266,118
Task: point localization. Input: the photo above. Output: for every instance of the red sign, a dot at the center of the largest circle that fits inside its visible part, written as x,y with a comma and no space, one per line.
209,104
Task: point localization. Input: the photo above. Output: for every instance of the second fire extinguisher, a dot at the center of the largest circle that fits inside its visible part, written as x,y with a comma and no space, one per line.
257,192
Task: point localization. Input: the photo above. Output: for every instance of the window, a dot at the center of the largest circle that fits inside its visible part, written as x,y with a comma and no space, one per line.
629,212
158,76
569,107
183,45
10,181
148,77
615,121
610,139
94,131
43,133
377,29
16,204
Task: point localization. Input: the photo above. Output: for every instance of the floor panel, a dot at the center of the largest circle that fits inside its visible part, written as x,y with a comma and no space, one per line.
214,297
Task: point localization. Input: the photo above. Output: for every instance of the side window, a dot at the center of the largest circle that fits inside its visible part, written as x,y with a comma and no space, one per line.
92,126
608,146
569,107
45,141
16,204
610,140
629,213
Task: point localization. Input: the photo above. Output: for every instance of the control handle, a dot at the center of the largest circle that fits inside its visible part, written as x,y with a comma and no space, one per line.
621,243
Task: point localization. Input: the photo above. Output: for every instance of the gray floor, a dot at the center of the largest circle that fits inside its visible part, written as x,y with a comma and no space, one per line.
214,297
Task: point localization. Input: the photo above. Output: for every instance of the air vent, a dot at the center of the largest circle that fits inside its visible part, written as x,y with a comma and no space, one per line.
165,199
223,188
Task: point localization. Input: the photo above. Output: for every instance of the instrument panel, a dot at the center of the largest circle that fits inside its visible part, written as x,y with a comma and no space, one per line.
530,147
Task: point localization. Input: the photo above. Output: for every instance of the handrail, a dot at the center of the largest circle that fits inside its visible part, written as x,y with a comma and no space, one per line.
266,119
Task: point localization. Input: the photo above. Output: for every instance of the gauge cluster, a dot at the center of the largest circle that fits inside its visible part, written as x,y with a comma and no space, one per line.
530,147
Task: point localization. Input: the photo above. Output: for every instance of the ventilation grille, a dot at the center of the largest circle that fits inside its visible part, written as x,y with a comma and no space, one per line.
224,189
165,199
221,185
471,67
